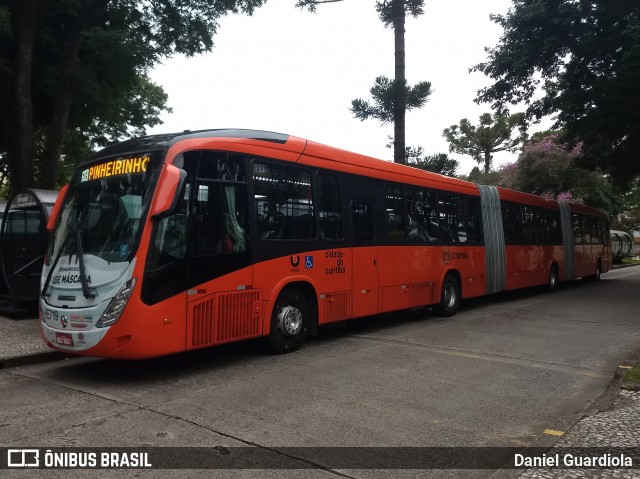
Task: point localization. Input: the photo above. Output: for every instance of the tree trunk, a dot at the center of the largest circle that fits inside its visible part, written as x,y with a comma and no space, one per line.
399,109
487,162
21,145
56,132
48,164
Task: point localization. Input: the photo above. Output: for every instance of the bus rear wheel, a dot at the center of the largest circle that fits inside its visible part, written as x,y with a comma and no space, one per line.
289,322
552,285
449,296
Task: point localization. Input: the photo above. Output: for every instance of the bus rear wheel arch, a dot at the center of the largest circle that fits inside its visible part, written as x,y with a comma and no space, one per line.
554,278
450,295
292,319
598,271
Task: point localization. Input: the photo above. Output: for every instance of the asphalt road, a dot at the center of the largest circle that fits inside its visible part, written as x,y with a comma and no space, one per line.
500,373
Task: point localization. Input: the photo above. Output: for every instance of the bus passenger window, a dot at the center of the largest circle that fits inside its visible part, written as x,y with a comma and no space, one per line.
529,228
329,208
395,214
577,229
283,202
217,165
422,218
362,220
451,212
555,232
594,229
474,220
512,222
598,230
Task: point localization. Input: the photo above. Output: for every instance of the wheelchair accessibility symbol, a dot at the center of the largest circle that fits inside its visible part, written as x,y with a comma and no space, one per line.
308,262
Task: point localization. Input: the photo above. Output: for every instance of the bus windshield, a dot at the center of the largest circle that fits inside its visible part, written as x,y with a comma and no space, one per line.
102,211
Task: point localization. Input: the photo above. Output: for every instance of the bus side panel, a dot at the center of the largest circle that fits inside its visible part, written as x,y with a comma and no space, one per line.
605,254
424,275
551,254
515,266
365,281
328,271
394,275
583,259
473,272
223,310
530,265
533,265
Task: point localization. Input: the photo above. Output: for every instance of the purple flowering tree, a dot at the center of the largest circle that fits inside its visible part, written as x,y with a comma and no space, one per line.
546,167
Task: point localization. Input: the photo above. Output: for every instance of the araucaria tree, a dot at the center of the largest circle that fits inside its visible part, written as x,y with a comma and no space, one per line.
74,72
579,61
391,99
439,163
493,134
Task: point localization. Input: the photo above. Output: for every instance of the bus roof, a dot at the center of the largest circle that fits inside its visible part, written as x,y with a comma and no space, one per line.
320,155
323,156
162,142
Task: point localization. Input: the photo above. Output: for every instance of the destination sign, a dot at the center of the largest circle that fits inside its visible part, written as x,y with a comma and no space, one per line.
116,167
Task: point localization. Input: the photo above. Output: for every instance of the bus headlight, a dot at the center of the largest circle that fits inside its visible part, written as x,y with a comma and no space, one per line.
113,312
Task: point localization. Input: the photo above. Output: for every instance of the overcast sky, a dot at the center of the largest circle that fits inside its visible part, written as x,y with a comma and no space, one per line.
295,72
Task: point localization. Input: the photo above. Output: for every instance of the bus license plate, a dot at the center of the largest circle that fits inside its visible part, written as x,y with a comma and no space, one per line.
65,339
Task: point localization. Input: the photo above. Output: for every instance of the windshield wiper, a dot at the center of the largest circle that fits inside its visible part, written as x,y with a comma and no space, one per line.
86,292
53,266
83,277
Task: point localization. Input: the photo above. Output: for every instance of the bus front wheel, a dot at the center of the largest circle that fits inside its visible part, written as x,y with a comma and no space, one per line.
450,296
289,322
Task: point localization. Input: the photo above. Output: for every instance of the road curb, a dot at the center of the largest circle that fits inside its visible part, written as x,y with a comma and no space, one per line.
621,266
38,358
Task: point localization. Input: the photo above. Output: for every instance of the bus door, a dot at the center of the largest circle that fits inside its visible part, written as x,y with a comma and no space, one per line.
222,305
394,266
364,257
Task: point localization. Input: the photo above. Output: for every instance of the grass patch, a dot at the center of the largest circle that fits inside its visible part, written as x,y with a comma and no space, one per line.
631,378
630,261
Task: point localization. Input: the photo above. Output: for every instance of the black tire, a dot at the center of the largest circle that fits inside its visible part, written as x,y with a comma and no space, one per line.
552,284
449,296
596,276
289,322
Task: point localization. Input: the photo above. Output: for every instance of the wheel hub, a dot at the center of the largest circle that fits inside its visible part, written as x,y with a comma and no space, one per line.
289,320
449,295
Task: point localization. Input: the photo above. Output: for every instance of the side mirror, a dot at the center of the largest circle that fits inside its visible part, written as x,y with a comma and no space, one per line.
167,195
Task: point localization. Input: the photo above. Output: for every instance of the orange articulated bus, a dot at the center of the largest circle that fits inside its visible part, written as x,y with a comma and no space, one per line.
176,242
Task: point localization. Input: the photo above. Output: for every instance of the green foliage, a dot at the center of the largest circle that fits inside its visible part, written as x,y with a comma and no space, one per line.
415,8
493,134
312,5
89,70
584,57
439,163
480,177
5,25
385,93
629,219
